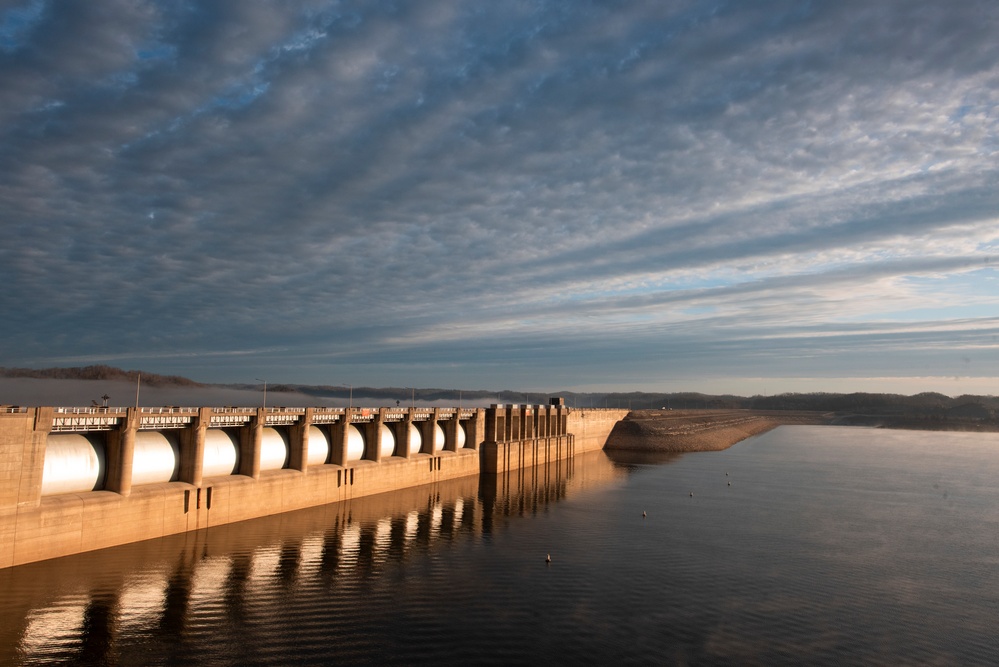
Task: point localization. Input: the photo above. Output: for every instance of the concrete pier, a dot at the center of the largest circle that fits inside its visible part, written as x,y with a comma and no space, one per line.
269,460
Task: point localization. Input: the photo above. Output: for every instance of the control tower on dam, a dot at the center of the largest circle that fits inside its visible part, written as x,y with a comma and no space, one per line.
79,479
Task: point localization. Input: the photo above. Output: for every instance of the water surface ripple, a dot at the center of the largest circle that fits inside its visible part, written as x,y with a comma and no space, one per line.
817,545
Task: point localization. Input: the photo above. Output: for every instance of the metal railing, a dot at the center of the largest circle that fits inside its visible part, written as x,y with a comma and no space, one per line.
93,410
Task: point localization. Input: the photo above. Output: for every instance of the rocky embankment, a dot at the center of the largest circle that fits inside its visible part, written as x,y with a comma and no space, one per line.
698,430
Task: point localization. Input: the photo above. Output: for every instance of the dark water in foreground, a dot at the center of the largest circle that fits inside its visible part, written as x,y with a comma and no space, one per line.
830,546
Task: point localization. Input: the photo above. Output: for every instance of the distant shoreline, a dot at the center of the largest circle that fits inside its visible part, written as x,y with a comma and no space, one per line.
909,424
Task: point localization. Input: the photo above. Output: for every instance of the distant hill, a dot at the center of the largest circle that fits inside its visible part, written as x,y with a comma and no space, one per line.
858,407
100,372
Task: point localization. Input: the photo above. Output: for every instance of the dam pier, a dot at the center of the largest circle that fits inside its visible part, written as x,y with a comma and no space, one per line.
78,479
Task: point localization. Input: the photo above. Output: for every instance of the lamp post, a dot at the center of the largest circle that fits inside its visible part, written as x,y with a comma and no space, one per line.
265,391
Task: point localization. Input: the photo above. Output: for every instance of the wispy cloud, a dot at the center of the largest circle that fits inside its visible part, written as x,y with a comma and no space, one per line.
527,194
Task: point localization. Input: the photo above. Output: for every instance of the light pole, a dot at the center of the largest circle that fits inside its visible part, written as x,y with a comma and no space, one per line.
265,391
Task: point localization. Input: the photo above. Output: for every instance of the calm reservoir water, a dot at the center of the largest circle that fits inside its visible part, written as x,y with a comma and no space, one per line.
817,545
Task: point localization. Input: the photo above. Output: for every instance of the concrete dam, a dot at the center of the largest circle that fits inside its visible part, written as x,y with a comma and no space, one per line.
78,479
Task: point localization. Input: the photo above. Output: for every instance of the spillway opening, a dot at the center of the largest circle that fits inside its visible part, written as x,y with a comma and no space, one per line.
386,442
221,454
274,451
74,463
355,443
156,457
439,439
415,439
318,446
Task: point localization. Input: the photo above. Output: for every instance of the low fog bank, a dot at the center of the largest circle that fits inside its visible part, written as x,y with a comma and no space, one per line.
83,393
33,392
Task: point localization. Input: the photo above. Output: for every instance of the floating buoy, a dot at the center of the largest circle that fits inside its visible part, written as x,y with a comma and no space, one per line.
548,558
643,514
691,494
730,483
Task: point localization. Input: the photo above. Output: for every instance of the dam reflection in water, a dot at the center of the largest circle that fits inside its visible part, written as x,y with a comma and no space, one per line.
816,545
222,595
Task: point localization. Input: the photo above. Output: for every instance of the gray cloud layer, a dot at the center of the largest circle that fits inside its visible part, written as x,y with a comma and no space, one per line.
512,194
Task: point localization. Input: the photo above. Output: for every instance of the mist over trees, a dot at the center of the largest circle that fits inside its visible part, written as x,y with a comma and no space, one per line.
98,372
924,407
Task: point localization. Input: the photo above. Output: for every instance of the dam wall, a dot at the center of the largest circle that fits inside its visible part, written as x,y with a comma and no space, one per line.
592,426
78,479
527,435
330,548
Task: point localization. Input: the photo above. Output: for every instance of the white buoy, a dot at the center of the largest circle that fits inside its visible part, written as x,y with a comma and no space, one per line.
643,514
548,558
691,494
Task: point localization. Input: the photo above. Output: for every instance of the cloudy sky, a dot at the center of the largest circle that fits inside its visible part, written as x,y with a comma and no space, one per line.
755,197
